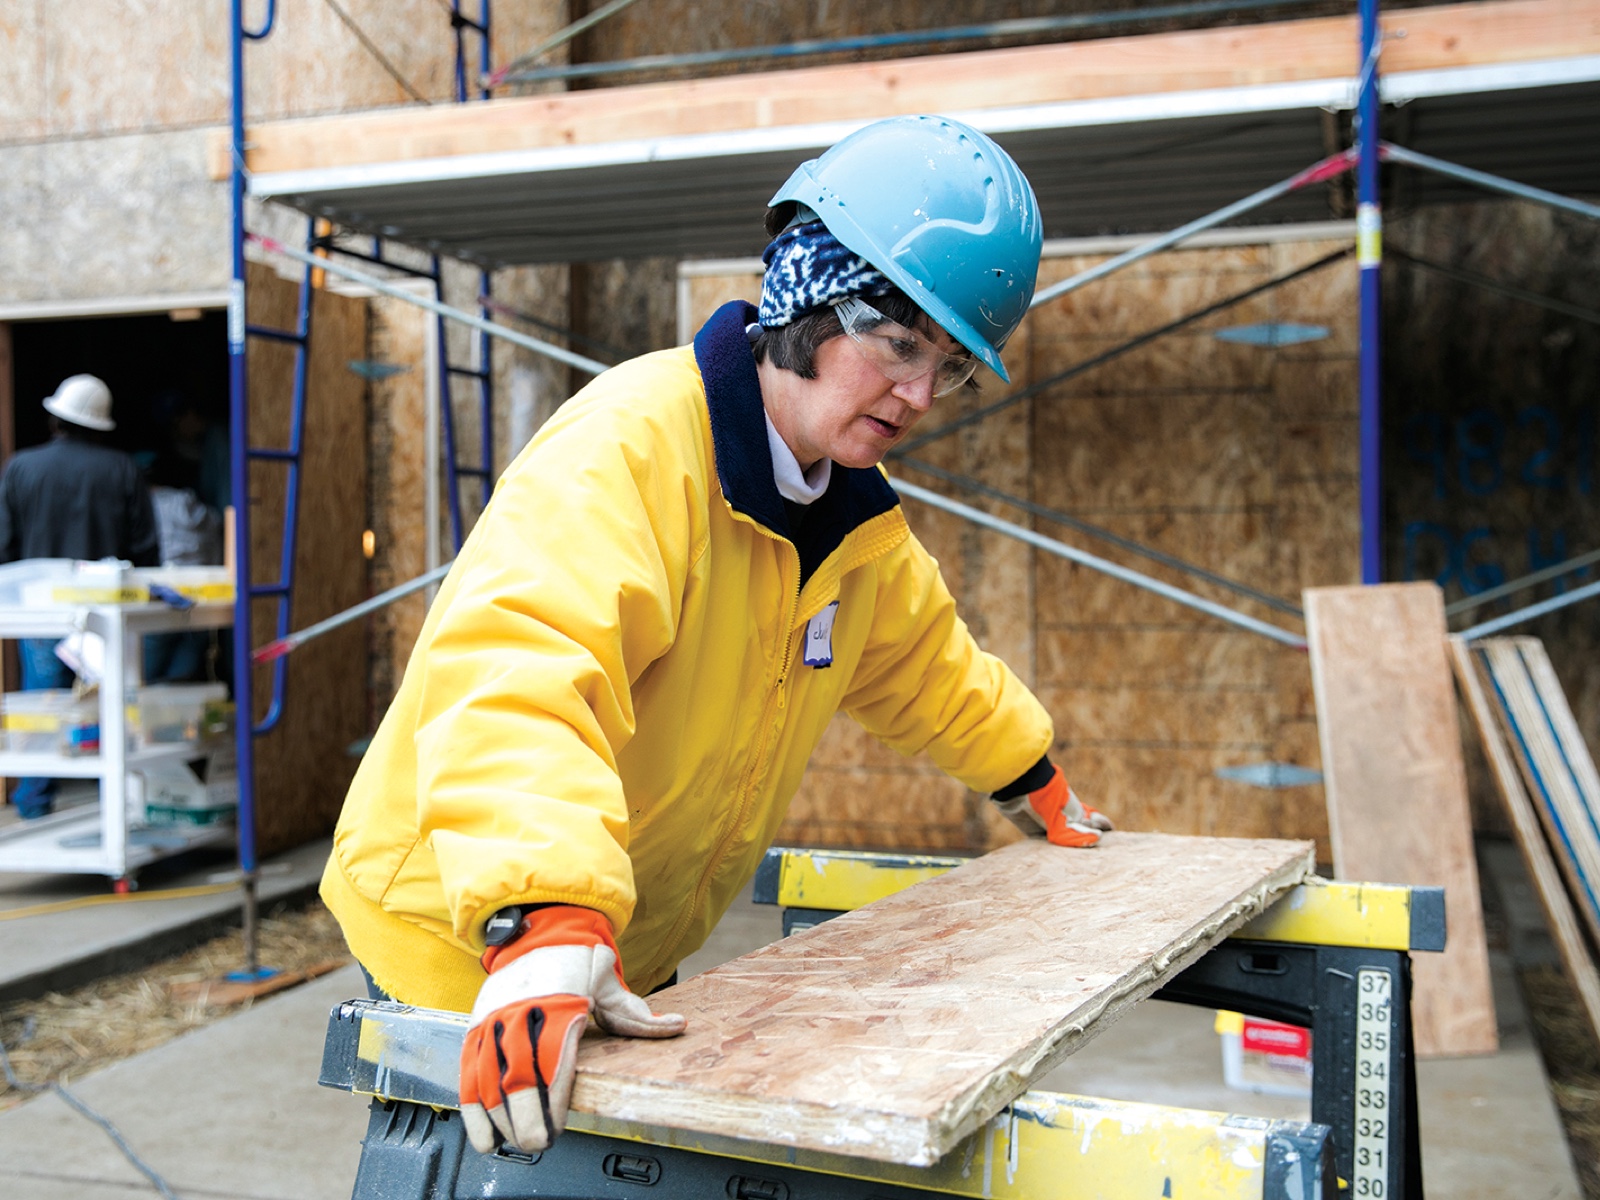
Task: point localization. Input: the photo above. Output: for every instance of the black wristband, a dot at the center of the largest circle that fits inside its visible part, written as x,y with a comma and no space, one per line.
1031,780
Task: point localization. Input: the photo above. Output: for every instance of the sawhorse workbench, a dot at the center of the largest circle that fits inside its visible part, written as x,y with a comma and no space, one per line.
1331,957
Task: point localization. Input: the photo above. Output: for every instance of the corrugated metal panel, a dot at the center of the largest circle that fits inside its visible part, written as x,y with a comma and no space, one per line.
1546,137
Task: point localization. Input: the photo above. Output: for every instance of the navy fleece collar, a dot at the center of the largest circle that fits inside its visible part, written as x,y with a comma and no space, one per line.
744,461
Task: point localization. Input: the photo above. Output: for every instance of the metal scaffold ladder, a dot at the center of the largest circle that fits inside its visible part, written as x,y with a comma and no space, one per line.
280,590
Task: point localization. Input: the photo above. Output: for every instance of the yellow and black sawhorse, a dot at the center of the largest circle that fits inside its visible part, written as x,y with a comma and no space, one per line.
1331,957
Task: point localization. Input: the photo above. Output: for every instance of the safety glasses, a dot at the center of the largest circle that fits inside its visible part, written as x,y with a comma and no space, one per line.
901,354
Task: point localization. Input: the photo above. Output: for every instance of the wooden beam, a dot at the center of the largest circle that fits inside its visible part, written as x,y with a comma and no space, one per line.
1555,762
1458,35
1536,856
1396,785
895,1030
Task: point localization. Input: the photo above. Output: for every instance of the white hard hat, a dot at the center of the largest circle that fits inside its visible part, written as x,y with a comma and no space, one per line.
82,400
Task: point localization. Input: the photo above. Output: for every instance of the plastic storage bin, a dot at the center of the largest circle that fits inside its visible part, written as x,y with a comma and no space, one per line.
200,791
163,713
1266,1057
50,721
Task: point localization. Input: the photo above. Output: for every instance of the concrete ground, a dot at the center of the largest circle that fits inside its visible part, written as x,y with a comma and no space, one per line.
233,1111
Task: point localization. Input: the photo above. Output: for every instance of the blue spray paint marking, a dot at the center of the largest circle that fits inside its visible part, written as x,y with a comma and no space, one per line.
369,368
1270,775
1272,333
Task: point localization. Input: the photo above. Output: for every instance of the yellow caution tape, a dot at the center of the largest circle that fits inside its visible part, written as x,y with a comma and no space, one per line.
59,906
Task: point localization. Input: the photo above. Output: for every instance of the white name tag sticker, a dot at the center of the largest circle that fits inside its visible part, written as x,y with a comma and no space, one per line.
819,637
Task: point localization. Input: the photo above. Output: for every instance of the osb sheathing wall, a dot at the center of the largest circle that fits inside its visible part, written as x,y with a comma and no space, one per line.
527,389
399,337
105,108
304,766
1236,458
1492,406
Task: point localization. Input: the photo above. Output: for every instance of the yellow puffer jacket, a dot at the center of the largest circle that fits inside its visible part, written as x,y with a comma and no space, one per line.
609,704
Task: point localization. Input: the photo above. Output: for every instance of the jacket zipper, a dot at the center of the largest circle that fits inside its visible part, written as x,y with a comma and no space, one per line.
775,703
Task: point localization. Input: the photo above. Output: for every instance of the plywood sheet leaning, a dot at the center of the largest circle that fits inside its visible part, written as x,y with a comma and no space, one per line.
1536,854
892,1032
1396,785
1555,764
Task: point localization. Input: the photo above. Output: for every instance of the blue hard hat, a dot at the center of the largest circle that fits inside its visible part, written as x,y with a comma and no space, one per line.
941,210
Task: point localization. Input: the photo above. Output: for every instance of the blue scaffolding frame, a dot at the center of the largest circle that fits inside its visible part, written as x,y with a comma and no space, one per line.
242,453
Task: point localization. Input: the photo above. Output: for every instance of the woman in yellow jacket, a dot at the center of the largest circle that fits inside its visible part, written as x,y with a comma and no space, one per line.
689,570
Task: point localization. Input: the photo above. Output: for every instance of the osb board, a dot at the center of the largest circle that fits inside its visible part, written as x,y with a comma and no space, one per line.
1074,595
701,295
117,216
1189,359
106,152
1316,527
303,767
529,387
1197,657
1186,284
171,65
1232,716
1117,451
1489,404
1180,788
1396,786
1317,388
401,334
891,1032
844,805
1182,61
1200,449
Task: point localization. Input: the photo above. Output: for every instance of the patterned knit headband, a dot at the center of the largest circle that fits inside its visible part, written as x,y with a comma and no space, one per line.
808,267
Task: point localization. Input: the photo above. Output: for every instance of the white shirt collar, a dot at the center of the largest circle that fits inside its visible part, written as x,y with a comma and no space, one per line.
801,487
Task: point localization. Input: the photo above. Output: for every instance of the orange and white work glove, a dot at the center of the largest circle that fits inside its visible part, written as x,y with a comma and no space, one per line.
520,1056
1054,812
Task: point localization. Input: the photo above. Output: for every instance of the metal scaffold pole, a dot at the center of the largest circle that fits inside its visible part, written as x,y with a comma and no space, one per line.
239,468
1105,566
1369,262
1318,172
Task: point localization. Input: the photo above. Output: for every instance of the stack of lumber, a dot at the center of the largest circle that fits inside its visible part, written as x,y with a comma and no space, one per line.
894,1031
1551,791
1396,786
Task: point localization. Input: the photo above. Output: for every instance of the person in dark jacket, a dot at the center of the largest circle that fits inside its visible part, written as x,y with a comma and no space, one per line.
73,497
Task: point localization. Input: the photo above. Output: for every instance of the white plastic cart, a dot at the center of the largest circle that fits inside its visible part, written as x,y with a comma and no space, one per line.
37,600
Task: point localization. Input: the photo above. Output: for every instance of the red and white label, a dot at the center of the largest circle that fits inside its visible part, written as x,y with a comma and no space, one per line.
1271,1037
